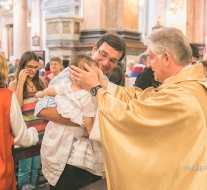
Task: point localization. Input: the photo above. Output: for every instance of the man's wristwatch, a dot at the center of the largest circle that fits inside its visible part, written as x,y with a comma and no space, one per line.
94,90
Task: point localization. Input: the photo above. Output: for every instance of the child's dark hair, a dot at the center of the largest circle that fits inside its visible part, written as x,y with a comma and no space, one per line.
79,58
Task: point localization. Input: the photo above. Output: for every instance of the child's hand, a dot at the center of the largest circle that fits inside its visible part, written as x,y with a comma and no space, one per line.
86,135
39,94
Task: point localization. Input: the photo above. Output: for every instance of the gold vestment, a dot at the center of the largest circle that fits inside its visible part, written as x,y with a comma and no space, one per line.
156,139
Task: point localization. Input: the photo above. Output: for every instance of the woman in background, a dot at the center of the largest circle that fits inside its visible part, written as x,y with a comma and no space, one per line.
27,84
13,130
55,68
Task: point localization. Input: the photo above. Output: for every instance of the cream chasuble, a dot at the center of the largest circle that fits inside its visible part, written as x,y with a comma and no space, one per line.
156,139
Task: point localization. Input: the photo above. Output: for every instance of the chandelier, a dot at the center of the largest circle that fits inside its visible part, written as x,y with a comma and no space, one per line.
6,4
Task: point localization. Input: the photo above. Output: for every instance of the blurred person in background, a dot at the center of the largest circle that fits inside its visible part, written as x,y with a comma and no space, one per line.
65,63
117,76
12,70
122,64
195,53
130,64
138,68
146,78
41,67
55,68
47,69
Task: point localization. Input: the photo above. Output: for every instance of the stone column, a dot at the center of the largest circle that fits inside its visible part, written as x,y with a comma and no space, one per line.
195,21
205,20
9,40
113,14
20,29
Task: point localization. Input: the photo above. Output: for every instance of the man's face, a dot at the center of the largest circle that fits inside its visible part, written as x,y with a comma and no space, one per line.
157,65
106,56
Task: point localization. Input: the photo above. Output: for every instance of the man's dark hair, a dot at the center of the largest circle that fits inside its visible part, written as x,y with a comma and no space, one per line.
115,42
195,51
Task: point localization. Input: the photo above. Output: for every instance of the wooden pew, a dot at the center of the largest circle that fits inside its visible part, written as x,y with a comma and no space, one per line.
21,153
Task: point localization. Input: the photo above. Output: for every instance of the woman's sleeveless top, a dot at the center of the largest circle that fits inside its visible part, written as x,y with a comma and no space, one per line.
28,115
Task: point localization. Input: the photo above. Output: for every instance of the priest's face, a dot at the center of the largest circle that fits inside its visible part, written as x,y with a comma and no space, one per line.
157,64
106,56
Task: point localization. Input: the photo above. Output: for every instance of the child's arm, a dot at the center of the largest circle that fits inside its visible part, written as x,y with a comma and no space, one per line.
48,91
88,123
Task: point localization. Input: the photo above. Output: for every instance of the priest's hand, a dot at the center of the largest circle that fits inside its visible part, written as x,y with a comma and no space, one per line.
84,79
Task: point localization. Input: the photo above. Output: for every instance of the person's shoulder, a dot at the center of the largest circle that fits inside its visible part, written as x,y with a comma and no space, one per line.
12,85
14,82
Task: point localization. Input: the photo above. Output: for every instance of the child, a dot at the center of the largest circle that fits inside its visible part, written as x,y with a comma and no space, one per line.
72,101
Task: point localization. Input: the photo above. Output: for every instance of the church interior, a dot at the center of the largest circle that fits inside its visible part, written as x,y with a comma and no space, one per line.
61,27
58,28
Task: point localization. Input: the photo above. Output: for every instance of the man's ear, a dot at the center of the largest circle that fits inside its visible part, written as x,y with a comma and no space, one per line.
168,58
94,49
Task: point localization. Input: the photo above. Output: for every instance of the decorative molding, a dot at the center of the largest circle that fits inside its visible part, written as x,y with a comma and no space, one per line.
61,8
76,27
93,35
54,4
52,28
35,40
60,42
66,27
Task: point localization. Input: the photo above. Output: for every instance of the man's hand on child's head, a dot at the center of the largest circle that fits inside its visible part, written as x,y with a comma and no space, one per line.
85,79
